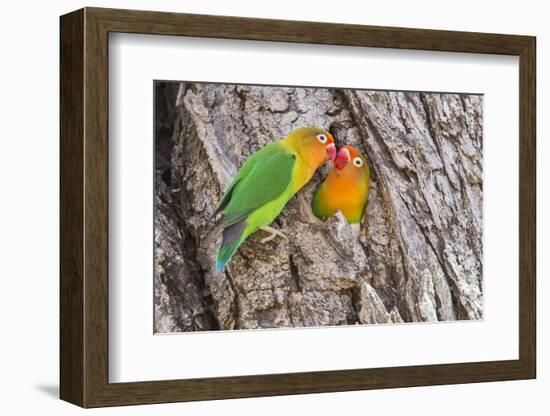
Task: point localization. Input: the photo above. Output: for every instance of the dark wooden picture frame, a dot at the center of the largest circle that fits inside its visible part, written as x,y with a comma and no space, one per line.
84,207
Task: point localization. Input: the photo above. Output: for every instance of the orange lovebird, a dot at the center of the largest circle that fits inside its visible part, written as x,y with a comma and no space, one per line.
345,189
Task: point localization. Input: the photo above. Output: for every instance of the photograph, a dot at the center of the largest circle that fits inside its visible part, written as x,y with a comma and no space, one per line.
303,206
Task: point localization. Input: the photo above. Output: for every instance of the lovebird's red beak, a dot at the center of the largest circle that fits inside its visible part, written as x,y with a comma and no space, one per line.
331,152
342,159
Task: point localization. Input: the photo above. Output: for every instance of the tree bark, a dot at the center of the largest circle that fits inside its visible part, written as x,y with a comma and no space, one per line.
417,255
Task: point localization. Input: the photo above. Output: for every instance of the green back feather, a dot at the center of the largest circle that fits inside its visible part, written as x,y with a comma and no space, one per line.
268,179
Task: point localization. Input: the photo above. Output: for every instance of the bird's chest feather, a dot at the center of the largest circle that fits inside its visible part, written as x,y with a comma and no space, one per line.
301,175
341,194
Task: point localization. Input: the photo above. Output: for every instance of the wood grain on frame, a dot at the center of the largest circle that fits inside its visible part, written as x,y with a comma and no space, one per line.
71,213
84,207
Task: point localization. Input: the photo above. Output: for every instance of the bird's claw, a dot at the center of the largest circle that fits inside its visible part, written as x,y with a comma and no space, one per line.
273,233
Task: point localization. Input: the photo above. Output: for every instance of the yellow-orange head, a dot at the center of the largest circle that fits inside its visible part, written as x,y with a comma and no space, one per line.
314,145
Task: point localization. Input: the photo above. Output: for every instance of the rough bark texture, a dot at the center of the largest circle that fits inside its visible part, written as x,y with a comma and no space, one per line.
417,255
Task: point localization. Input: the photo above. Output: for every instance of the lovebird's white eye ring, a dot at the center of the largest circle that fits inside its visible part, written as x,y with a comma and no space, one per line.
322,138
357,162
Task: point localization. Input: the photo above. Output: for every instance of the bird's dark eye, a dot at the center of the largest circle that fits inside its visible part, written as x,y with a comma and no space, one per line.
358,162
322,138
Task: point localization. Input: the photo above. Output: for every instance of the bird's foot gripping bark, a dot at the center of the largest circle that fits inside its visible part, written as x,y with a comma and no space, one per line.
272,234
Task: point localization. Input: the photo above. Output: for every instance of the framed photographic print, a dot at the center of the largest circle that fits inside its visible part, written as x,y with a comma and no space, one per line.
255,207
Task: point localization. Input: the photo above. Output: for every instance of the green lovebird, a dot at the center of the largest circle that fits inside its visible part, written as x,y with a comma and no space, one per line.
266,182
345,189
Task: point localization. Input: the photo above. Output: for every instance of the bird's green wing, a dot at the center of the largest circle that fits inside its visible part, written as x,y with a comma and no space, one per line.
243,172
269,177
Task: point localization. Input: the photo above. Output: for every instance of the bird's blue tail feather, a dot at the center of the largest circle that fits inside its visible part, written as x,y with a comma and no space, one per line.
232,239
